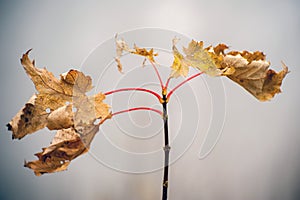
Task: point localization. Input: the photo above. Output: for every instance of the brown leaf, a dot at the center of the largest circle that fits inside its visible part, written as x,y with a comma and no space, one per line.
33,116
28,120
78,81
90,108
101,109
60,105
252,73
46,83
144,52
248,69
119,64
122,46
61,118
53,94
220,48
66,146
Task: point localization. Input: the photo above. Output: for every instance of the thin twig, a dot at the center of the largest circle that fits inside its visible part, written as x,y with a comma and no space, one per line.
167,83
157,73
137,108
134,89
183,82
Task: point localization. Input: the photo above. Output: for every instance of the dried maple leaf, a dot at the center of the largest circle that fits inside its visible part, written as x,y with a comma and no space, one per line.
71,83
52,94
65,146
60,104
144,52
250,70
90,108
61,118
180,66
252,73
122,46
29,119
195,56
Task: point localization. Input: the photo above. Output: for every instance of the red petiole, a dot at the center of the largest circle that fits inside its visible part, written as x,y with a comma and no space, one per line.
157,73
134,89
167,83
137,108
183,82
166,94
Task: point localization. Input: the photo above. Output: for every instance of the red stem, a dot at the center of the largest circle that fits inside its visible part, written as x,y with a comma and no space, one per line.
157,73
137,108
167,83
183,82
134,89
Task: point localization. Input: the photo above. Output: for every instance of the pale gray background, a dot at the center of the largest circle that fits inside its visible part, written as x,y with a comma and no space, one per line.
258,155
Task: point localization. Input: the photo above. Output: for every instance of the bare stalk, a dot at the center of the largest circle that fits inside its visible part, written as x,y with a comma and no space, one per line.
166,147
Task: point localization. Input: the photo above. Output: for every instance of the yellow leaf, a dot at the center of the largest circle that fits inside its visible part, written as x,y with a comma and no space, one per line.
195,56
180,66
